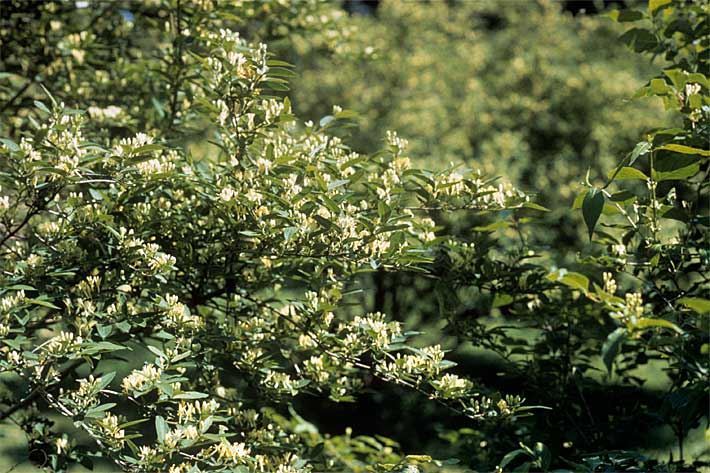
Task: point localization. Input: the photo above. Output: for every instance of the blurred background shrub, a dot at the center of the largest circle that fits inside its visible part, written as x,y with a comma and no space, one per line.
523,90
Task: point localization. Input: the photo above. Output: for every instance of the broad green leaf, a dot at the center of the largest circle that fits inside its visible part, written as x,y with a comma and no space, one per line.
501,300
623,16
698,304
612,346
575,281
661,323
592,207
639,39
684,149
677,174
629,174
510,456
106,380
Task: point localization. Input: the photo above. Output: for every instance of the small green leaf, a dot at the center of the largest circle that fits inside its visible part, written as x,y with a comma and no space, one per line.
659,86
654,5
190,395
106,380
612,346
9,144
629,174
289,232
124,288
534,206
698,304
42,303
42,107
592,208
660,323
161,428
639,150
326,120
575,281
98,411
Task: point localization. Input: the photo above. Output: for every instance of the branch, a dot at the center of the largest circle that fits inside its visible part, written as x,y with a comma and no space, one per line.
38,390
17,95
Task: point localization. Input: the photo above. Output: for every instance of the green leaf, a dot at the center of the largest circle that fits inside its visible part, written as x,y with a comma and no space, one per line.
592,208
106,380
145,149
639,39
654,5
639,150
510,456
543,453
698,304
660,323
99,347
575,281
629,174
42,107
104,330
534,206
98,411
289,232
9,144
124,288
677,174
161,428
493,226
623,16
659,86
190,395
43,303
326,120
612,346
501,300
337,183
684,149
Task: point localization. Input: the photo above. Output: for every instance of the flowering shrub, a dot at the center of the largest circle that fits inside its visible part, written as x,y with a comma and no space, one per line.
172,305
518,89
184,260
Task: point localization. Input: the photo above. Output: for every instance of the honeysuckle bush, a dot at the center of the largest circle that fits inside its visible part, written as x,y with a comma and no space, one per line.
185,262
173,306
518,89
639,297
98,54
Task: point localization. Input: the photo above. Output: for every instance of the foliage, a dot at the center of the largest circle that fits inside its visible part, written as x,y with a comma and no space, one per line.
516,89
173,306
639,297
